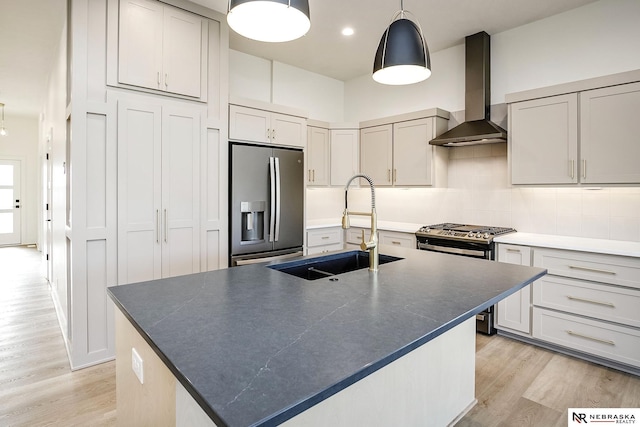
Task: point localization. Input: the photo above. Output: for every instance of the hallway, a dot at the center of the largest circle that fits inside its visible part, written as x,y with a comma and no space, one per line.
37,387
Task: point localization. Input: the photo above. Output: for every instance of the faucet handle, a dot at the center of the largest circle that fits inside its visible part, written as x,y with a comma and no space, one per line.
365,246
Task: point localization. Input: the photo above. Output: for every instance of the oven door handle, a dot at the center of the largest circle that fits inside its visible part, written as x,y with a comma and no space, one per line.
450,250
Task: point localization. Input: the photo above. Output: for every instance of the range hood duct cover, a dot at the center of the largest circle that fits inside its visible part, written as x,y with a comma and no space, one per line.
477,128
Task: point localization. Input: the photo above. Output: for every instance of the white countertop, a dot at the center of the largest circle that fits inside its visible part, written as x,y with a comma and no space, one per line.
583,244
403,227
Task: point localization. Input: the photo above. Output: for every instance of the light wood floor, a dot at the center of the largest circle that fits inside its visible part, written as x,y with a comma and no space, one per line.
516,384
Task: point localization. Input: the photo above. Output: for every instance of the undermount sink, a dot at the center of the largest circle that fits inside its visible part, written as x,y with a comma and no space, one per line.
329,265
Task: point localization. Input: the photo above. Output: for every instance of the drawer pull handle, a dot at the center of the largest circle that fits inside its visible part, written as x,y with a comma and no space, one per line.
608,304
325,237
577,334
513,250
593,270
396,242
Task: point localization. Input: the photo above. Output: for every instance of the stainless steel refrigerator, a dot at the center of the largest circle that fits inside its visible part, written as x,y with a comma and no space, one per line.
266,203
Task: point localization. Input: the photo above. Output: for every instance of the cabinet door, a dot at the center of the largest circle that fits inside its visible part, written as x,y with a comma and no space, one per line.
318,156
248,124
139,192
180,192
514,312
376,153
543,136
182,52
344,155
609,129
412,154
288,130
140,43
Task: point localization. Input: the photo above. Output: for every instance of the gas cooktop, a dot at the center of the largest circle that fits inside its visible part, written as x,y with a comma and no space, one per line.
464,232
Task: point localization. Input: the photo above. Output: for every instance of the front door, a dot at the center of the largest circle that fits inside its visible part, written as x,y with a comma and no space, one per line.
10,202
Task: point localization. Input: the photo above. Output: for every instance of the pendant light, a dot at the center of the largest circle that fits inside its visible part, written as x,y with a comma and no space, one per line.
3,130
269,20
402,57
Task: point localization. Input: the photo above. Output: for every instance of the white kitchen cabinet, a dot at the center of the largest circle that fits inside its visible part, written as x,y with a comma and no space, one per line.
158,191
324,240
399,153
609,130
396,238
588,302
514,312
256,125
318,156
581,137
543,138
344,155
162,48
376,153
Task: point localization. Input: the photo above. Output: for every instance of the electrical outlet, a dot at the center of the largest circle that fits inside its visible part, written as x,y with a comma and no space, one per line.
137,365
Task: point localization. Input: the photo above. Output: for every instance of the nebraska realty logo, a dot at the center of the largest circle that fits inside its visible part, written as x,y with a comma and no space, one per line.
602,416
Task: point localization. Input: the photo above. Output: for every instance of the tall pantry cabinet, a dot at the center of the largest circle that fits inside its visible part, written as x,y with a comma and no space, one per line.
146,166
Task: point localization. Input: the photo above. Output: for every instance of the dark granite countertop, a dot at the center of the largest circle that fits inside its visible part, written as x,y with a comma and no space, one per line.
256,346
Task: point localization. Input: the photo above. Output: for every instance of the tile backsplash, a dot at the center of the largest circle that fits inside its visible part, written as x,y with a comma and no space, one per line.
478,193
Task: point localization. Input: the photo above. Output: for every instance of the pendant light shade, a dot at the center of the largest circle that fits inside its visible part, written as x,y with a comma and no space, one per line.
269,20
402,57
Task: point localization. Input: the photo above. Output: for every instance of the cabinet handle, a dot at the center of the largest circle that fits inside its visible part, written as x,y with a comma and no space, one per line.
513,250
273,134
325,237
268,133
166,80
577,334
166,227
394,242
572,168
395,173
584,168
608,304
157,225
593,270
389,175
159,82
309,175
313,174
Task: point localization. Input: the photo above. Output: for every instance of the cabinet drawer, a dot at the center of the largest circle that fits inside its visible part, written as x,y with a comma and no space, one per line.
327,236
392,238
596,300
323,249
614,269
619,343
354,235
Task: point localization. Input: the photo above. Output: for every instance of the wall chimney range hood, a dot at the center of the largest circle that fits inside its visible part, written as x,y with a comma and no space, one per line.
477,128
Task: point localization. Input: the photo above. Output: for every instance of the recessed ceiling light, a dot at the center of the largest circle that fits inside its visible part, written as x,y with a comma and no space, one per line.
348,31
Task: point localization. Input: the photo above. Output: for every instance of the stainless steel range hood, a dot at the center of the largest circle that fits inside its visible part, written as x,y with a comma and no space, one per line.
477,128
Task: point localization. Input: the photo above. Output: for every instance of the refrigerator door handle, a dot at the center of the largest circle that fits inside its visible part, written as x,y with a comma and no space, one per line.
272,183
277,198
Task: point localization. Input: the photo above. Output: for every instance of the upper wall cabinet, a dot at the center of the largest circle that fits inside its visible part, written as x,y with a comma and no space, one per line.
344,155
399,153
318,146
255,125
162,48
584,137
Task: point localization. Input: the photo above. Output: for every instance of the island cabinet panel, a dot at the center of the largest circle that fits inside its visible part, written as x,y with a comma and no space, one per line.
432,385
609,132
151,402
256,125
318,156
543,138
514,312
158,191
344,155
396,238
161,48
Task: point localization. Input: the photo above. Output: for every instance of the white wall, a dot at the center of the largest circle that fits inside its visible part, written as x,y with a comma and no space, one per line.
270,81
597,39
21,143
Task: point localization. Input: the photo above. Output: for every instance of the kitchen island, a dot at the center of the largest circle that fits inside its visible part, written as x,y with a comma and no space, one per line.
255,346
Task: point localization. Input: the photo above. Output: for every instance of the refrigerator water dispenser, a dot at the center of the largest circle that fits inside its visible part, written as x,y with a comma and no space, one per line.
252,222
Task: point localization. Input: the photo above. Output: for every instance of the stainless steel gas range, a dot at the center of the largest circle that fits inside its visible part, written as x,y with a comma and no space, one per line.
474,241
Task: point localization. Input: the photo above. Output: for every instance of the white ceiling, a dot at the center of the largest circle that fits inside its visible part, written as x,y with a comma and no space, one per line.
30,31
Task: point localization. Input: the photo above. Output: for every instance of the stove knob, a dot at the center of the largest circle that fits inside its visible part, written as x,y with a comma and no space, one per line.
470,234
486,235
479,236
